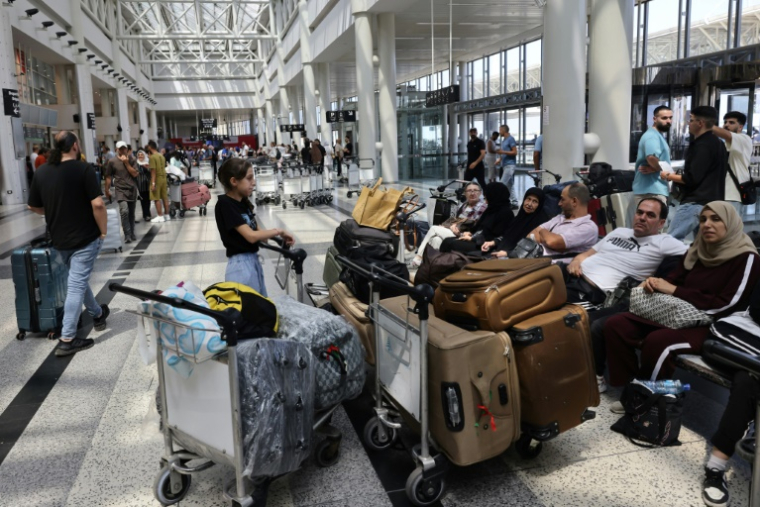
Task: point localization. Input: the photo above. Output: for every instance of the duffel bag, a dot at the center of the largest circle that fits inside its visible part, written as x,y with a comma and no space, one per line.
437,265
350,235
359,285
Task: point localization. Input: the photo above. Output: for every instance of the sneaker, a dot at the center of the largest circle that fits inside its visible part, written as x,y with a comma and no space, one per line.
158,219
100,322
73,346
601,383
147,219
133,237
715,488
127,240
617,408
166,218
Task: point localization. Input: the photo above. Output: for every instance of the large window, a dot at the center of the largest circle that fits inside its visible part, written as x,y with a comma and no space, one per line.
514,76
477,79
494,74
750,18
533,65
708,26
662,30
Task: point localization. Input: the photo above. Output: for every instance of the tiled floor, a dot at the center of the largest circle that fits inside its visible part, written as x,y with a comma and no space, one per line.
94,440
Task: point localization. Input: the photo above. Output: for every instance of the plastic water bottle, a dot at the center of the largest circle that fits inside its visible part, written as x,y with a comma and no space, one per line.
664,386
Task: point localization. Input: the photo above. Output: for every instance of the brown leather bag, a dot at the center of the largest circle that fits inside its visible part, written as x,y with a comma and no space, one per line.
354,311
496,294
473,389
437,265
556,366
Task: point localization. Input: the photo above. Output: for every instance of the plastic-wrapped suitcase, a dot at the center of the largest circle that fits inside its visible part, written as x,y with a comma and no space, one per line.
496,294
113,240
40,279
193,200
473,393
331,273
355,312
617,210
555,363
189,187
205,193
350,235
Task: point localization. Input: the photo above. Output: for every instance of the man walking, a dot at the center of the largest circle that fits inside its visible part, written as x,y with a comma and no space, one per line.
739,146
653,156
67,193
122,169
159,192
476,152
508,154
704,175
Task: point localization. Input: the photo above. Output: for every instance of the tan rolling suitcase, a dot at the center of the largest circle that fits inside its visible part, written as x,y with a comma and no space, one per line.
355,311
496,294
473,390
556,366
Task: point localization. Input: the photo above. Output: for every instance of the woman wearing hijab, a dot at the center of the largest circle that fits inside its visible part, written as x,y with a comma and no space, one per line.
143,183
492,223
530,216
716,275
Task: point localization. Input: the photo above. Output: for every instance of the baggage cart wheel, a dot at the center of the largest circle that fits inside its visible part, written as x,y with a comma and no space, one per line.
162,487
20,335
424,492
303,204
348,194
284,205
172,212
373,438
528,448
277,200
327,452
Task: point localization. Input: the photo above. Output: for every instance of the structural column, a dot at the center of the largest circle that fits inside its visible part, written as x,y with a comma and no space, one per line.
564,85
12,169
461,145
610,79
84,85
323,73
309,83
142,117
262,127
106,107
269,117
386,28
365,86
153,125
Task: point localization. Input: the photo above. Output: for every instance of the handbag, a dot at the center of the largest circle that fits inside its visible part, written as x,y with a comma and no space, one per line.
654,418
747,190
526,248
621,295
377,207
667,310
437,265
678,190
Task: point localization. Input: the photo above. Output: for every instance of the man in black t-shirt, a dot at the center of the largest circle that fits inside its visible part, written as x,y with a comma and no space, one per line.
66,191
476,151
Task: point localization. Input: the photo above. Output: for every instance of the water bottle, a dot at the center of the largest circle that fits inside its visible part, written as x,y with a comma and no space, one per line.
664,386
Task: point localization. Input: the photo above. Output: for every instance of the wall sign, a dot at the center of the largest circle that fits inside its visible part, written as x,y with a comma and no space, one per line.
10,103
442,97
208,124
298,127
91,121
341,116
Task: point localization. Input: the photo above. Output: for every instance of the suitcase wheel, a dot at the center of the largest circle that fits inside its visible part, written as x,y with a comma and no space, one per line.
20,335
163,490
284,205
528,448
423,491
377,439
348,194
54,334
327,452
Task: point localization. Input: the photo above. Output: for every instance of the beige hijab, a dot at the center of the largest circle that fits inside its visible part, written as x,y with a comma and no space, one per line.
732,245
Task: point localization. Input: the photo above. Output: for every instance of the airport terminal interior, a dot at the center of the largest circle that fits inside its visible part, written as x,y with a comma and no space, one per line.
400,85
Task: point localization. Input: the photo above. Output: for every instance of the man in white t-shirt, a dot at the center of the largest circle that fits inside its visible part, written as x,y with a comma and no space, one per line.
624,252
739,147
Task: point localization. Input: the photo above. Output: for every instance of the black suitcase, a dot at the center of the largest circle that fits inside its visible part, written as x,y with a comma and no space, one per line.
359,285
350,235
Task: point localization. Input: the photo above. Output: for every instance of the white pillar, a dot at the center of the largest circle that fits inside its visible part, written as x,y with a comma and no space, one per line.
262,127
84,84
123,114
12,169
610,79
461,145
386,32
153,133
142,117
106,109
323,73
164,126
271,126
365,86
564,85
309,83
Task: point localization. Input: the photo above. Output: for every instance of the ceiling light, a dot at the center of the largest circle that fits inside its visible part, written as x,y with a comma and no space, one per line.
47,24
60,34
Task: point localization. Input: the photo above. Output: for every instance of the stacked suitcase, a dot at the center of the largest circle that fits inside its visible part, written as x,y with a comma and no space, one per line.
194,196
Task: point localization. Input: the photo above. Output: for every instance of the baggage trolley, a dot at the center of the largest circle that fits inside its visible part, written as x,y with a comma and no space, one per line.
401,381
306,190
291,187
267,188
206,174
360,176
405,217
315,182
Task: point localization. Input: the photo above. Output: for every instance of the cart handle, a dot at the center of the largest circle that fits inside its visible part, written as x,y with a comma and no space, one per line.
404,216
730,356
296,256
422,294
227,319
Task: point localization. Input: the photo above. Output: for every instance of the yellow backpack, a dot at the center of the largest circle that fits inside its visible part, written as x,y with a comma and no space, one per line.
259,314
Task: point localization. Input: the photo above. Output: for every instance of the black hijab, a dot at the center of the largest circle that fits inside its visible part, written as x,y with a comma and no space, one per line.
498,214
524,222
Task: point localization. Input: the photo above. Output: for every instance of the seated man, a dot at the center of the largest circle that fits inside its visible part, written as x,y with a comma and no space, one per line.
624,252
572,231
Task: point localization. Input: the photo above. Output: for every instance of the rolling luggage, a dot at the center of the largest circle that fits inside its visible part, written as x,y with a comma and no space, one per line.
113,240
616,210
360,286
474,393
350,235
496,294
555,363
332,270
40,278
190,201
355,312
205,193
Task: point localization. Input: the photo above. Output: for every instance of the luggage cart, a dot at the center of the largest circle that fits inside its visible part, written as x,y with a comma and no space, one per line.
291,186
401,382
409,207
359,176
206,174
316,184
267,187
306,190
175,195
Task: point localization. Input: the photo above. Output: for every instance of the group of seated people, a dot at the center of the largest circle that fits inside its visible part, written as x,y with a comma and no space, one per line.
717,274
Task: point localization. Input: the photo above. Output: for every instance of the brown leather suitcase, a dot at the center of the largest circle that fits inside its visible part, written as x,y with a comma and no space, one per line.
473,388
347,305
496,294
556,366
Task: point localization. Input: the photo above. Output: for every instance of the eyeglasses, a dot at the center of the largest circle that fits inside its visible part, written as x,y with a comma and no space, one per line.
472,191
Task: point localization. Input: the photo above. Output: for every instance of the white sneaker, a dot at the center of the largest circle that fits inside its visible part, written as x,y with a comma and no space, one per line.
617,408
601,383
158,219
167,218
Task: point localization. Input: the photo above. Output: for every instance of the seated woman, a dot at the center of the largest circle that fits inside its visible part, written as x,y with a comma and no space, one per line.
467,214
530,216
491,225
716,275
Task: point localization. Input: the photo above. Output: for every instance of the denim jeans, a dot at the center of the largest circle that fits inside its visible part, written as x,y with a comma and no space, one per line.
685,220
80,263
508,178
127,212
246,269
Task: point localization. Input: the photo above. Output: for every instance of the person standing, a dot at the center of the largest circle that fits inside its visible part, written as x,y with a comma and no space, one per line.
121,169
704,175
316,154
508,154
491,157
538,148
739,146
349,149
653,156
214,160
476,152
306,152
143,183
68,195
33,156
159,191
107,154
338,151
41,157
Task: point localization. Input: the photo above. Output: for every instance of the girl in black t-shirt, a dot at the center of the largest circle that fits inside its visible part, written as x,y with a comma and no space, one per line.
237,226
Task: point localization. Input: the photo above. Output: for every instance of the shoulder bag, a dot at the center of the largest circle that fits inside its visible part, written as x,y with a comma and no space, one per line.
667,310
747,190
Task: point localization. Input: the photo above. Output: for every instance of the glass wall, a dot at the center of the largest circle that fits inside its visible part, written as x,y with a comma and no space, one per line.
662,34
494,74
708,32
514,73
476,79
750,18
533,65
